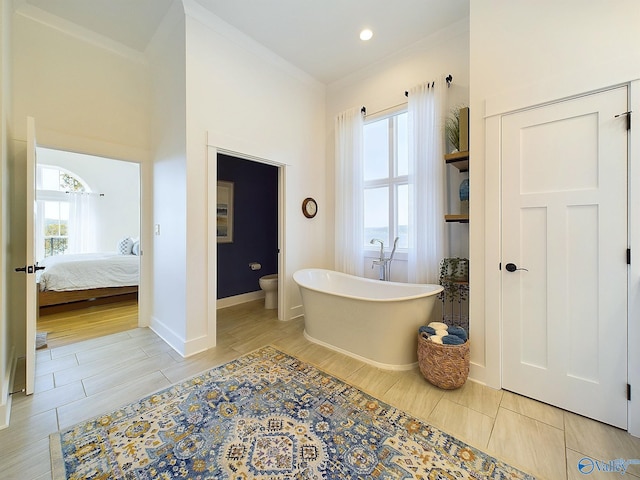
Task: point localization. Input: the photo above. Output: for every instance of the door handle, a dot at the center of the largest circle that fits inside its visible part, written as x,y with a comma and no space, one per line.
29,268
512,267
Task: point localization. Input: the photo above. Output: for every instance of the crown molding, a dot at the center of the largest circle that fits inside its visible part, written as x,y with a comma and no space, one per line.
22,8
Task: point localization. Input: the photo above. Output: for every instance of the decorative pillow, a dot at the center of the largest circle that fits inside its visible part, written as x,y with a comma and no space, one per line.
124,246
135,249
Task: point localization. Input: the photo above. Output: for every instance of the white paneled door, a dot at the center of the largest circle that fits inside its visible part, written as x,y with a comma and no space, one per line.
564,254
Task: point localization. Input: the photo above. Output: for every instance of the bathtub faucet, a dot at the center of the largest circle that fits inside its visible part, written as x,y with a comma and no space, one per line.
384,264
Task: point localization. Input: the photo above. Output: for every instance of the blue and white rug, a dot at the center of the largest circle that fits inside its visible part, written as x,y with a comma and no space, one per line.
265,416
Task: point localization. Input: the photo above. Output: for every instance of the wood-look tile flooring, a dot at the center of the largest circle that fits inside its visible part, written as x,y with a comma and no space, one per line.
78,381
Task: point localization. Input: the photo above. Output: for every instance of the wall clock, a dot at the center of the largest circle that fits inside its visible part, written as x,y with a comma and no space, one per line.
309,207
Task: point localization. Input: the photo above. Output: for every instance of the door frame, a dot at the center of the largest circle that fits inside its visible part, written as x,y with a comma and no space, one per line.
220,143
491,356
70,143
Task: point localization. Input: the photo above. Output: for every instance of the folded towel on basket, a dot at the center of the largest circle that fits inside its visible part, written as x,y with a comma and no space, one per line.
427,330
438,325
452,340
458,332
441,333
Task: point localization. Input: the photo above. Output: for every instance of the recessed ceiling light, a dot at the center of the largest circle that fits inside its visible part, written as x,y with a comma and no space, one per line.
366,34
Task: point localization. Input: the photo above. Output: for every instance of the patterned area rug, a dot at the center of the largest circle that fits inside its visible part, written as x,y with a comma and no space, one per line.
265,416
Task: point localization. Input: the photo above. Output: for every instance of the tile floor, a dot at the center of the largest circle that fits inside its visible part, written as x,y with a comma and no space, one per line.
78,381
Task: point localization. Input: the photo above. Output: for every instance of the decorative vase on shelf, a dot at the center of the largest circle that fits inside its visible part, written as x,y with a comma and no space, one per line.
464,196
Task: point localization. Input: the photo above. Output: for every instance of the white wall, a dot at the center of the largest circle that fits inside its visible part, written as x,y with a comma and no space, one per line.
251,102
526,53
6,346
168,282
382,86
118,209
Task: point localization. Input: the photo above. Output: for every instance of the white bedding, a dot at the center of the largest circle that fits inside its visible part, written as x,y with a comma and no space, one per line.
88,270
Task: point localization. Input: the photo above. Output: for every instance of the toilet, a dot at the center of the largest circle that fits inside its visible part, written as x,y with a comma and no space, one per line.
269,283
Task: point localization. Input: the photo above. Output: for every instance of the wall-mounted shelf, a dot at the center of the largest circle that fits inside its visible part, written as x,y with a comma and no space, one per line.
460,160
457,218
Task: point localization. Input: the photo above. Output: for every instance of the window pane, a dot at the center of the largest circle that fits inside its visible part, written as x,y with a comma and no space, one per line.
402,136
403,216
376,149
376,214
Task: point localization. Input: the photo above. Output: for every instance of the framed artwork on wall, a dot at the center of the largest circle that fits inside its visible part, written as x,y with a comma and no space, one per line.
224,212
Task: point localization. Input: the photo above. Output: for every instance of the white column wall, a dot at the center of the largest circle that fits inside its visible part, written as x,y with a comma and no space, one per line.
6,344
169,281
251,102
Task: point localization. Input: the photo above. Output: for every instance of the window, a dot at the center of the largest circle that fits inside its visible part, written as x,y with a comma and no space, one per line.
53,185
386,190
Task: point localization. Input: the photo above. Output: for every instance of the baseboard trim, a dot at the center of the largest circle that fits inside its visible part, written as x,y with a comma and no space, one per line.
7,388
185,348
166,334
296,312
239,299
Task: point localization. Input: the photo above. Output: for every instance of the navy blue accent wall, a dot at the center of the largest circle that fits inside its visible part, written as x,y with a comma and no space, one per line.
255,225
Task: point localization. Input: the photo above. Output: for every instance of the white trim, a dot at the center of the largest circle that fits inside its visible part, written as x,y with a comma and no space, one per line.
486,363
179,344
296,312
239,299
633,313
168,335
212,245
5,406
227,145
74,30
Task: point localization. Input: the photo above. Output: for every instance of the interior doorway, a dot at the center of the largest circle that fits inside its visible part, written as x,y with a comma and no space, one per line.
87,231
246,229
564,239
212,234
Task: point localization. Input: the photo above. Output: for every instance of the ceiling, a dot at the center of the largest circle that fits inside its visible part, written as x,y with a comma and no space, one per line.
318,36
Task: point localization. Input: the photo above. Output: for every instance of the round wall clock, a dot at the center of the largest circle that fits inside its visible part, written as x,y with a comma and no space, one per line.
309,207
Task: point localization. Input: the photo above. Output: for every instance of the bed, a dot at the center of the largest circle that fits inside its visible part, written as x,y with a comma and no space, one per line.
79,280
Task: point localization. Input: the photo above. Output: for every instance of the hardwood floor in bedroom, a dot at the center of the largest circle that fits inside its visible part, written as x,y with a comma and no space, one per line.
81,380
73,326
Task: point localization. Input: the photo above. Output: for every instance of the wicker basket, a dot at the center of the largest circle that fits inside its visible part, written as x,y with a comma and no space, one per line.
445,366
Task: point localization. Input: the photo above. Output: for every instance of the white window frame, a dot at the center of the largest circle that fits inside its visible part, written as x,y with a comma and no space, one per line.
60,196
392,182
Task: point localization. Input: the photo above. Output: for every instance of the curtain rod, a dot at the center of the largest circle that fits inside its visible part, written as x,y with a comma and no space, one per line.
448,79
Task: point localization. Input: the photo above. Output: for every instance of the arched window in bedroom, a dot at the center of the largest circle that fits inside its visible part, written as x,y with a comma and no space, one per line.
65,213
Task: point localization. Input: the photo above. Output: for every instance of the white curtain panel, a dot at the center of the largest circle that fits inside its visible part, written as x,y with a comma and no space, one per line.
349,177
426,108
82,222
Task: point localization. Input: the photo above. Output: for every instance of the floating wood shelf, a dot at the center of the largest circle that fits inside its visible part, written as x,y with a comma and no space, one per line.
460,160
457,218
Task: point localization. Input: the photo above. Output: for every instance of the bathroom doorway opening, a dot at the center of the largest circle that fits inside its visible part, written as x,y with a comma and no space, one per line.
248,226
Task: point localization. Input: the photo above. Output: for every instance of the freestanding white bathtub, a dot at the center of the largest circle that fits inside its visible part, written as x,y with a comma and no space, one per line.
371,320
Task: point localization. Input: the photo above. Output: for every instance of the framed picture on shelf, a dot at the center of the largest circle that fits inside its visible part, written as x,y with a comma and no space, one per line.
224,212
